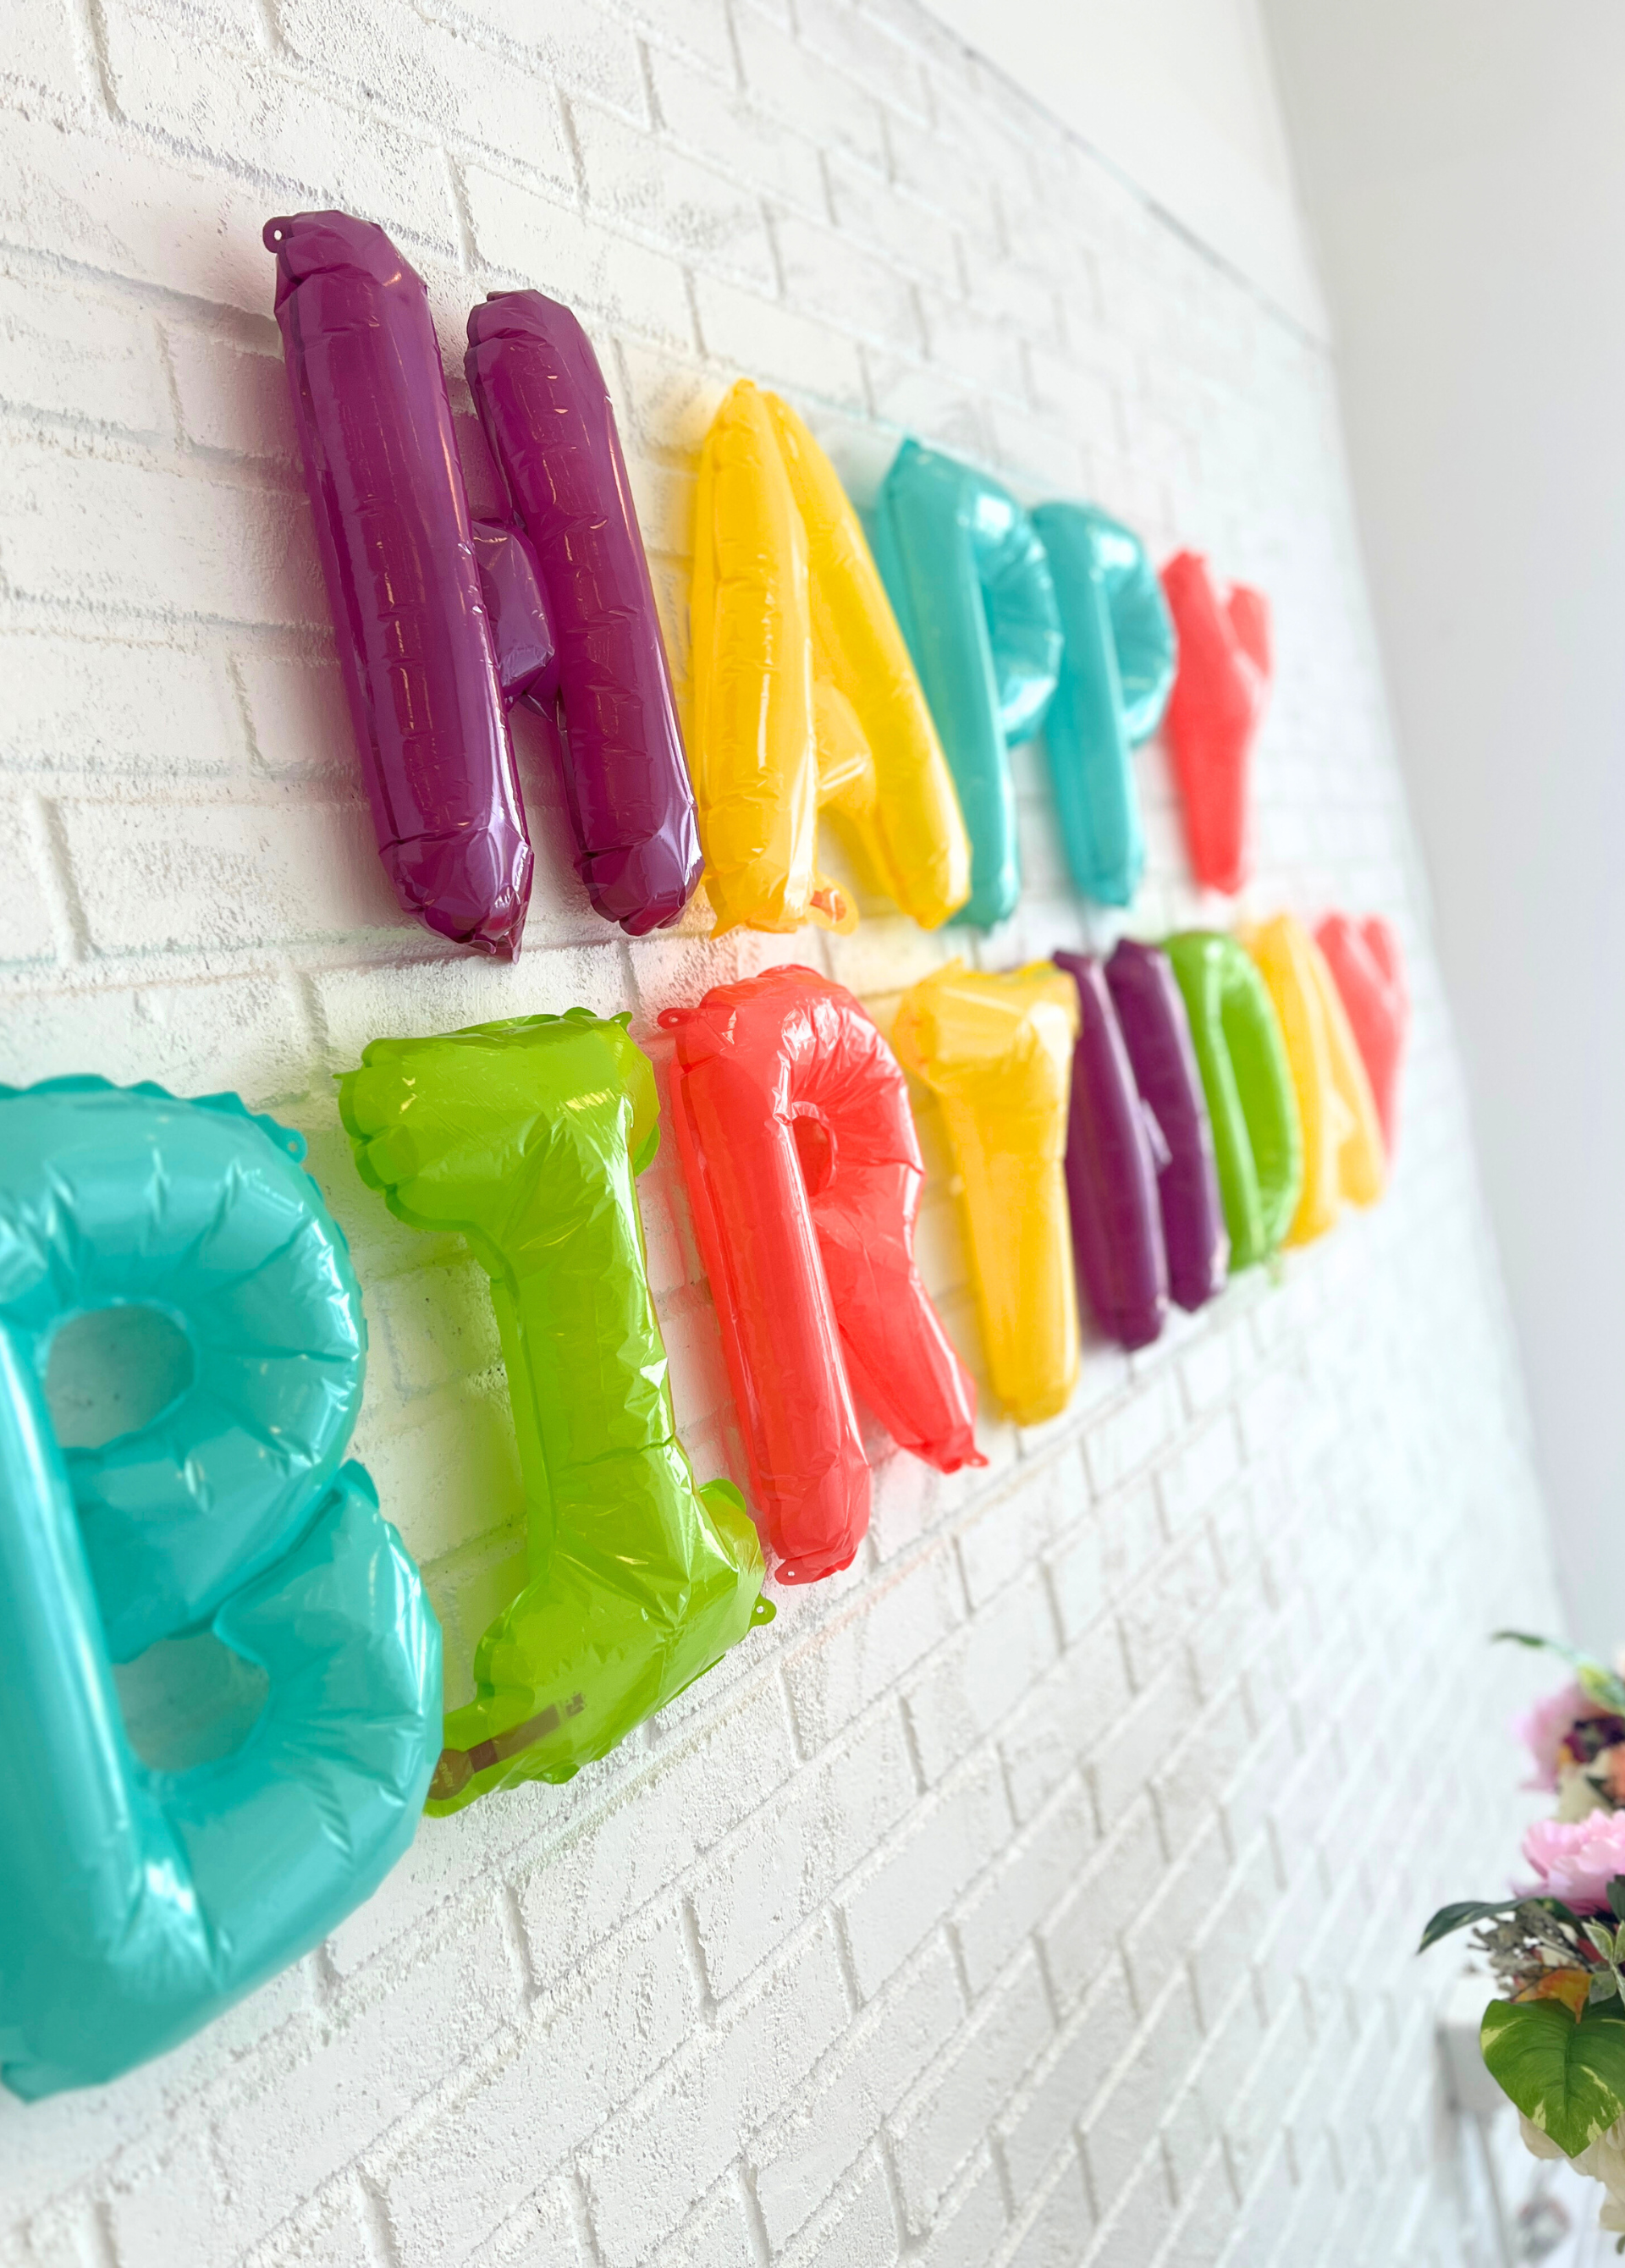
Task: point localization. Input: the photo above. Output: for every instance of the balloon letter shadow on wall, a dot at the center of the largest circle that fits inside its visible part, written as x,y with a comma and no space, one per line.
1114,1149
803,1171
804,694
525,1138
1219,689
1257,1139
1369,975
140,1903
972,586
1342,1138
1116,667
996,1051
1156,1033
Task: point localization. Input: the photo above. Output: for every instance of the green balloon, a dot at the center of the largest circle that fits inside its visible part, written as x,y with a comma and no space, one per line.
525,1136
1257,1139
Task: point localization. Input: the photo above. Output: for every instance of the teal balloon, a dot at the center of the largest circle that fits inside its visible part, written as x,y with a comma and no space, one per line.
1116,675
967,577
138,1903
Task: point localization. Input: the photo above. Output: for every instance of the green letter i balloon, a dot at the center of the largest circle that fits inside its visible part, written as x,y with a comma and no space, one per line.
1257,1135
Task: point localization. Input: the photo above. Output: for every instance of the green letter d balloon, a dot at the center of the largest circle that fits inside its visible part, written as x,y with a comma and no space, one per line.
1257,1135
525,1137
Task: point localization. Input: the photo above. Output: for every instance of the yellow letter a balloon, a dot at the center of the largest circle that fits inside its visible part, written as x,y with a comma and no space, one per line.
1343,1156
804,694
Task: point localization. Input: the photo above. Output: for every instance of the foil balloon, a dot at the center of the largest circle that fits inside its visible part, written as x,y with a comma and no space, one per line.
1366,966
1117,669
1219,694
415,642
1342,1136
525,1138
968,576
804,695
140,1903
996,1051
803,1171
1251,1103
1114,1149
547,415
1156,1034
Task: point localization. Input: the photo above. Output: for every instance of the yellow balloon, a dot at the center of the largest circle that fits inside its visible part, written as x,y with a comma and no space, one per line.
996,1051
804,693
1343,1156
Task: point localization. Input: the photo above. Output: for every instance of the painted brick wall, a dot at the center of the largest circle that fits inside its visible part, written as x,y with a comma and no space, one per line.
1043,1889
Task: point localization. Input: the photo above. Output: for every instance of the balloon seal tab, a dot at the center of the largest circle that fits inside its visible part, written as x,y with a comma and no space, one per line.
763,1611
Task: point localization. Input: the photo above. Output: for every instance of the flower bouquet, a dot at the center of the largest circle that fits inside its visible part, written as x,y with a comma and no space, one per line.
1554,2040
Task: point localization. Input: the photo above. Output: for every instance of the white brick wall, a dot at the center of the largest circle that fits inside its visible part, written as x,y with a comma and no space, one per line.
1042,1890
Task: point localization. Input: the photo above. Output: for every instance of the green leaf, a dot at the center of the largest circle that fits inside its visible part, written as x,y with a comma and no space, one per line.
1596,1681
1616,1897
1567,2078
1468,1910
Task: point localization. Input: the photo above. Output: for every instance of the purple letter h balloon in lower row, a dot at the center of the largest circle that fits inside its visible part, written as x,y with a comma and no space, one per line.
1141,1178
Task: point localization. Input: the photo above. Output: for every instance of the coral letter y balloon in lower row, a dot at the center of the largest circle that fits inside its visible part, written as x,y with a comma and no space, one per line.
525,1138
996,1051
1369,975
803,1171
1219,691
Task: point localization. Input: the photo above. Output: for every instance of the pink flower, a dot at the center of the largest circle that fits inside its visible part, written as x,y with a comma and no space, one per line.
1541,1729
1577,1858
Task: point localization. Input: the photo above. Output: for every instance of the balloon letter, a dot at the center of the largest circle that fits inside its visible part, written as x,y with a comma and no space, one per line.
403,581
1366,966
997,1053
1156,1032
525,1138
1342,1138
1257,1137
972,586
542,400
1117,667
804,694
1219,692
139,1904
1111,1166
803,1171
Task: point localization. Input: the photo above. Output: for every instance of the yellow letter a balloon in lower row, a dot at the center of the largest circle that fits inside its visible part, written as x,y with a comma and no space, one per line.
804,693
996,1051
1343,1155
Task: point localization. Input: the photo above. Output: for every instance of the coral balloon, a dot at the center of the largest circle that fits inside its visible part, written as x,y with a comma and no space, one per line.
414,643
1111,1172
1156,1033
1117,669
1366,966
803,1171
972,586
996,1051
1251,1104
139,1902
1219,694
525,1138
547,415
1342,1138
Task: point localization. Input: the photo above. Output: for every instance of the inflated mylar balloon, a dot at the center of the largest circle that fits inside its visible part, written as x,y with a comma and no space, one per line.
415,640
972,586
1219,694
1342,1138
1156,1033
1116,667
1114,1148
1257,1137
996,1051
547,415
1367,967
139,1903
803,1172
524,1138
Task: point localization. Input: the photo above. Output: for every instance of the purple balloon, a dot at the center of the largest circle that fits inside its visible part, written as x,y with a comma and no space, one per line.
404,583
1117,1225
547,415
1156,1033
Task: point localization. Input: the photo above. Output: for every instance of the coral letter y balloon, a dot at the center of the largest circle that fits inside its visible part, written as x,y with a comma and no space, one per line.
1219,691
1366,965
